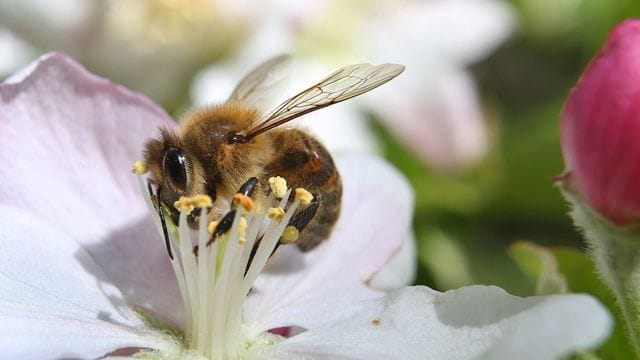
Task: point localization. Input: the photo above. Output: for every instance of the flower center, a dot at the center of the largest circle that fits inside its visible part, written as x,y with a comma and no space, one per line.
216,272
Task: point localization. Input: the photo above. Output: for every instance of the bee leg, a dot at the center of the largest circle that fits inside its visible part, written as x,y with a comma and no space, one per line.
303,216
163,222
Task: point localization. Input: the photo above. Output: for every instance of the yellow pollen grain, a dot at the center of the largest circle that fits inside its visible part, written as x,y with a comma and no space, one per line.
244,201
184,204
276,214
139,168
212,227
289,235
278,186
242,227
303,196
201,201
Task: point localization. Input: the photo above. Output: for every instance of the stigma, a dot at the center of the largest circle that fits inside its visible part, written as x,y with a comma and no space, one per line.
217,264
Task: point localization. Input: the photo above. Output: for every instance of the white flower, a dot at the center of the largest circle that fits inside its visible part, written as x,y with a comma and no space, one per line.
84,274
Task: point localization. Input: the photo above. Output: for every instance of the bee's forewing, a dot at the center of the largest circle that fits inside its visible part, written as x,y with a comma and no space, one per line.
343,84
260,87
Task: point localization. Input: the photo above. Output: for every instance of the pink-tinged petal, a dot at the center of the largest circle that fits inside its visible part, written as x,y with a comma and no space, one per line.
54,301
600,127
306,289
476,322
437,116
67,142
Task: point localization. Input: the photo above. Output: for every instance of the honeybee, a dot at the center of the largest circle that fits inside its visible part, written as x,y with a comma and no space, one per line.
219,147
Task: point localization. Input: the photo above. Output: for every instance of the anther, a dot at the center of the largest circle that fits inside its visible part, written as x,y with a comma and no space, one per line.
303,196
244,201
139,168
278,186
290,235
184,204
276,214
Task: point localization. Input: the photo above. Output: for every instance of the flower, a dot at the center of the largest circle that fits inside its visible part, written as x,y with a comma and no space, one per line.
432,108
600,124
84,274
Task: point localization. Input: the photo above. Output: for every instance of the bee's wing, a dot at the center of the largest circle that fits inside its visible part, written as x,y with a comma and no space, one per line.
259,86
343,84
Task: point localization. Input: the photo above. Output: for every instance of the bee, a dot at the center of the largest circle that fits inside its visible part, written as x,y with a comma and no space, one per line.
219,147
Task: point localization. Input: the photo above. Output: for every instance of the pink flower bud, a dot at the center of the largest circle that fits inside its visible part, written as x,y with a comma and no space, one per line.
600,129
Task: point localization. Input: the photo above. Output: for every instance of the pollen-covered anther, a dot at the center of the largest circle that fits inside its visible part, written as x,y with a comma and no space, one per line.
244,201
290,235
184,204
211,228
139,168
303,196
201,201
276,214
278,186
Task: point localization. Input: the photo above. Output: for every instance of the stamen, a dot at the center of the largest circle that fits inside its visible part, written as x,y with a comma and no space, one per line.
184,204
244,201
303,196
139,168
290,235
276,214
216,272
278,186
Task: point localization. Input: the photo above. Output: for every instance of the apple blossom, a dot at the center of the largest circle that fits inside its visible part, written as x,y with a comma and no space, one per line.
84,274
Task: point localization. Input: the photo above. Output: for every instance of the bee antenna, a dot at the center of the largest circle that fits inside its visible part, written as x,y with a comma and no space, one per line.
163,222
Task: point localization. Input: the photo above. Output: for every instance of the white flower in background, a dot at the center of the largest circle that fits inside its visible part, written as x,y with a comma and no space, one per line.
154,46
84,274
433,108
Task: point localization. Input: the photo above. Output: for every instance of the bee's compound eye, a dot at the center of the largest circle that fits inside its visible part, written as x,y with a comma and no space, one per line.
175,165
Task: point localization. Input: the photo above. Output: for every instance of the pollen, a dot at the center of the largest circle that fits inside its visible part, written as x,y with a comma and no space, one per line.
276,214
212,227
184,204
244,201
303,196
242,228
201,201
376,322
139,168
278,186
290,235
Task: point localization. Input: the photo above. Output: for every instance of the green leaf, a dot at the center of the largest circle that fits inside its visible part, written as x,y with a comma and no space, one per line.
540,264
579,274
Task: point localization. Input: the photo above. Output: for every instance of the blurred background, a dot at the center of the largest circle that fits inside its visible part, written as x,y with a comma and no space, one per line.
472,123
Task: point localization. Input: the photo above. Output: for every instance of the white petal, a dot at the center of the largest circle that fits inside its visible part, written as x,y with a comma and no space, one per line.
54,300
458,32
476,322
305,289
401,269
68,140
